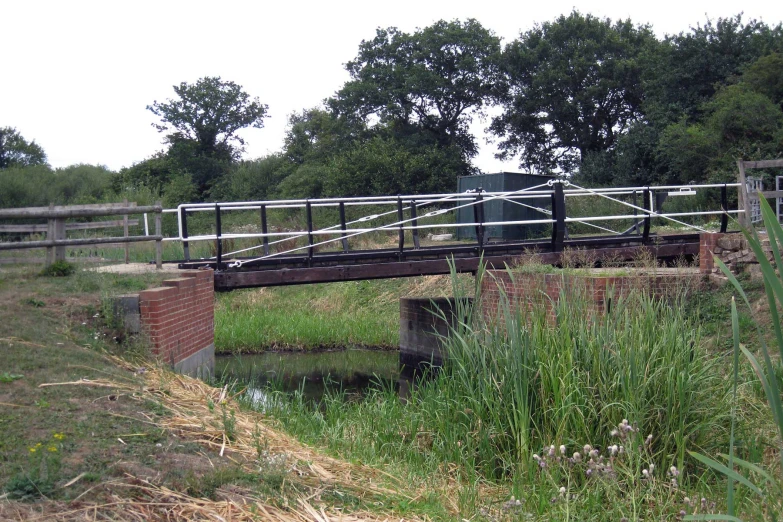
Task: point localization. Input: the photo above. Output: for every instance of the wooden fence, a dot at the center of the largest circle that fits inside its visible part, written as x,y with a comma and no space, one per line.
56,227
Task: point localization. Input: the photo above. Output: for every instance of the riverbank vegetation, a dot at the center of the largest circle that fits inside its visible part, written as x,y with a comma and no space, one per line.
592,417
84,433
352,314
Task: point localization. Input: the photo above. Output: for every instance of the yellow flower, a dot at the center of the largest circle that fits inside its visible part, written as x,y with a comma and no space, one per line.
38,445
32,450
59,436
53,449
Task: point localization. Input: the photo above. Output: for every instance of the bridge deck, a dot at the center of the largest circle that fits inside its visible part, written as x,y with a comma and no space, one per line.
324,267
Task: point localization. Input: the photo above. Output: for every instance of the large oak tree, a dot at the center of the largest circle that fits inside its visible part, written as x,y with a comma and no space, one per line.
432,81
574,87
202,126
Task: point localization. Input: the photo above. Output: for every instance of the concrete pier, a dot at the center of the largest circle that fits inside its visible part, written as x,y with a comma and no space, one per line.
422,330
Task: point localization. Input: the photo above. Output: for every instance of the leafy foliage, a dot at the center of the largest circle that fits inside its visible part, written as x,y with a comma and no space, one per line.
574,87
431,81
202,126
59,269
15,151
39,185
209,112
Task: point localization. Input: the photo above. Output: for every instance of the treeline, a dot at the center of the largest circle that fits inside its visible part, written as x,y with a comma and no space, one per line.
605,102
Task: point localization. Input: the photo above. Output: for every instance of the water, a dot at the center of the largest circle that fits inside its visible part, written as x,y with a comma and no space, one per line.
352,371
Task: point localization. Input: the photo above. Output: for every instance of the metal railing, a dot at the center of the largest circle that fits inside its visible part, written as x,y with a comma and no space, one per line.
413,213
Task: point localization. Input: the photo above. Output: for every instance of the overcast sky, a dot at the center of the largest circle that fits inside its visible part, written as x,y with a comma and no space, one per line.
76,76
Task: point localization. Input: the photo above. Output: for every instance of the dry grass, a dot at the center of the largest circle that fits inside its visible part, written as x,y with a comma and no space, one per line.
141,501
197,414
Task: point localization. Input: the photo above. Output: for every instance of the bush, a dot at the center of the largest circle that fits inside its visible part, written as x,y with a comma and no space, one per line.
59,269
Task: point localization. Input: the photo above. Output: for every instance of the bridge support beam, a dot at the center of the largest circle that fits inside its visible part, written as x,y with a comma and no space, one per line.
424,323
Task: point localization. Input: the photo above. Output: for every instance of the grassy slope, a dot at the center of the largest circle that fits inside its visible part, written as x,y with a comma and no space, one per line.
47,335
71,446
360,313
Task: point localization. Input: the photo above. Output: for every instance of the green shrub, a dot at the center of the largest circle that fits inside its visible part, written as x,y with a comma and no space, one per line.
59,269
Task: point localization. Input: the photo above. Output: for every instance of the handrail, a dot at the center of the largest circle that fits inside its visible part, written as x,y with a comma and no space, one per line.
56,228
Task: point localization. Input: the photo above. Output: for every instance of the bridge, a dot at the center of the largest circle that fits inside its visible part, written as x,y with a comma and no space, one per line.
356,238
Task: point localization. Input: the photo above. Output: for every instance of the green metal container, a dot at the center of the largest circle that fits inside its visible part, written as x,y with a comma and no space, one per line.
502,210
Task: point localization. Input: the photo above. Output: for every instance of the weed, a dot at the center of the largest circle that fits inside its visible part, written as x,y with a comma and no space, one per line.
6,377
38,478
766,485
229,423
207,485
59,269
35,303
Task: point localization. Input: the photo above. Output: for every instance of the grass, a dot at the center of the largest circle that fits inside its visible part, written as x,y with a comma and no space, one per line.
322,316
765,484
515,390
138,446
59,443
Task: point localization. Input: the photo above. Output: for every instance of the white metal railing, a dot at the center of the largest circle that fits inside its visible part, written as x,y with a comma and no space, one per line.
412,203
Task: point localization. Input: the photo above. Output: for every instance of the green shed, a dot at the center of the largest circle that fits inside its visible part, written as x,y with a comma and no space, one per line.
502,210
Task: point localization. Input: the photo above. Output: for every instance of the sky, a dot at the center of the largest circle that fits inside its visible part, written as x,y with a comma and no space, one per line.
76,76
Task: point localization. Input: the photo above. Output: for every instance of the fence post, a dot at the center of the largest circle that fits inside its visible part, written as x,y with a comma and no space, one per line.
50,235
724,206
125,232
343,239
415,223
309,217
159,233
743,203
264,230
183,219
647,218
400,218
218,240
558,215
478,216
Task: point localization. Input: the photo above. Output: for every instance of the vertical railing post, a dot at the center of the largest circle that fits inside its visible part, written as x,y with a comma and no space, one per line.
343,239
159,233
401,232
724,206
218,239
264,230
309,210
558,216
635,213
646,200
183,219
415,224
125,232
743,201
478,216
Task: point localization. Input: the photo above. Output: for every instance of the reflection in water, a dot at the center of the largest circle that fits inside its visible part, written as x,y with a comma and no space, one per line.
350,371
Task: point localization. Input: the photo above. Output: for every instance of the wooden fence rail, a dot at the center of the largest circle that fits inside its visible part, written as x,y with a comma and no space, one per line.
37,229
56,227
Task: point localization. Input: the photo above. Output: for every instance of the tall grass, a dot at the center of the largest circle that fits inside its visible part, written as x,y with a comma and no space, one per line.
572,374
362,313
515,385
765,484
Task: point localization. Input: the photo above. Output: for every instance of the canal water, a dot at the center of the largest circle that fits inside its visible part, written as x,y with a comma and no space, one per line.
351,371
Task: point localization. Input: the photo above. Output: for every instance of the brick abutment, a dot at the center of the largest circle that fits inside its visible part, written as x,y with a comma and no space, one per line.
177,319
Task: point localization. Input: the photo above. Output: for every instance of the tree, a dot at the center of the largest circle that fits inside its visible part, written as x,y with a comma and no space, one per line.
202,126
15,151
574,88
432,81
252,180
765,76
689,68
